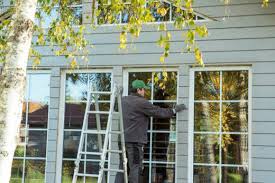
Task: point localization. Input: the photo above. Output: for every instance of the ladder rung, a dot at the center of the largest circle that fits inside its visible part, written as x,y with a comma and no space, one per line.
86,175
91,153
114,151
94,132
101,92
112,170
98,112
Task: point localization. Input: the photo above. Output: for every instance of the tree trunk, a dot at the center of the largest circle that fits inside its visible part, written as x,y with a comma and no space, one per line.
12,83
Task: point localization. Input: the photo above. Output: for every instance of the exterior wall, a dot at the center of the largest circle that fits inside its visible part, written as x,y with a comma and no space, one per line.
245,38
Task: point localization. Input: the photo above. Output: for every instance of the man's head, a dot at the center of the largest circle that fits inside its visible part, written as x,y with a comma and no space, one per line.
139,86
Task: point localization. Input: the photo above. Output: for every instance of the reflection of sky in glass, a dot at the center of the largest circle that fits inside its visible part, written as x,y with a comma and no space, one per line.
39,87
47,19
74,90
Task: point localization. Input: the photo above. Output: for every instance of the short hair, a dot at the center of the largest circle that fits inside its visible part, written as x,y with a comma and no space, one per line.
133,90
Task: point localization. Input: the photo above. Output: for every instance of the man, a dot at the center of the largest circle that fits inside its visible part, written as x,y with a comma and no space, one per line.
136,115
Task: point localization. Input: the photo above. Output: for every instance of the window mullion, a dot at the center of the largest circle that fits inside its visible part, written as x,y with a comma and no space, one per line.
220,136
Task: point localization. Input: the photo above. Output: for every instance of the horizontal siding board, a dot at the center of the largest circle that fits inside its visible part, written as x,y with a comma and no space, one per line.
263,115
237,57
263,164
263,139
230,33
250,9
264,79
205,46
263,127
263,103
262,68
263,152
263,91
263,176
208,3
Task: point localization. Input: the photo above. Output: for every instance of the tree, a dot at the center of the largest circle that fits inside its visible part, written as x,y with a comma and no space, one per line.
15,47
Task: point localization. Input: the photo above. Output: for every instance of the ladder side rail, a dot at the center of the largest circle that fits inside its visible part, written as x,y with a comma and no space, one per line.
80,146
98,127
106,139
122,138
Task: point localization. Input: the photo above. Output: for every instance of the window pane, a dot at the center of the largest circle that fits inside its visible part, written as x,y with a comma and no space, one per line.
105,16
20,148
163,173
70,144
74,114
165,86
163,148
35,171
207,85
36,144
101,81
68,171
235,149
235,85
38,115
206,148
206,174
145,76
126,14
93,144
207,117
168,124
16,171
146,172
234,174
146,150
39,91
154,10
235,117
76,87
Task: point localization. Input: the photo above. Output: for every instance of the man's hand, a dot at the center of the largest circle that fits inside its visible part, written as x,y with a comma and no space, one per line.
180,107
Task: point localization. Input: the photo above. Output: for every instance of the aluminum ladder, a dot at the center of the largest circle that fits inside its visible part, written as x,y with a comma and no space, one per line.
92,99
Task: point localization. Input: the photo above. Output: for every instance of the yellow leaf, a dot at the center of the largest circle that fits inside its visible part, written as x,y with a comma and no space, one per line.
162,11
198,56
162,58
73,64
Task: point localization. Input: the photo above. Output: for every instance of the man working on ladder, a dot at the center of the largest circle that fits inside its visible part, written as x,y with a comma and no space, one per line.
136,115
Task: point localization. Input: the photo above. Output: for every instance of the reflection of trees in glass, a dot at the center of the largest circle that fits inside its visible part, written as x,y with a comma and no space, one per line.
234,114
207,85
77,84
35,170
165,85
207,117
202,174
235,85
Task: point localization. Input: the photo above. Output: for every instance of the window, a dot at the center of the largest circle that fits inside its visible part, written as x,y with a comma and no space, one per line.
124,16
47,19
30,155
160,151
220,125
76,87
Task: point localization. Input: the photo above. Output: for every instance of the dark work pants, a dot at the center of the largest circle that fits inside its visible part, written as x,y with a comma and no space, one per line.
135,166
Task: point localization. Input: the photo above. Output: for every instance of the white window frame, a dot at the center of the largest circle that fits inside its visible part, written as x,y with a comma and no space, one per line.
24,158
61,118
126,72
191,116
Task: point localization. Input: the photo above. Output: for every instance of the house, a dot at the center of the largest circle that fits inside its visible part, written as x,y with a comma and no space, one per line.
226,135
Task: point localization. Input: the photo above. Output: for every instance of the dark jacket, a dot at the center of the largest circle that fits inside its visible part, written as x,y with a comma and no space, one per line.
136,115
